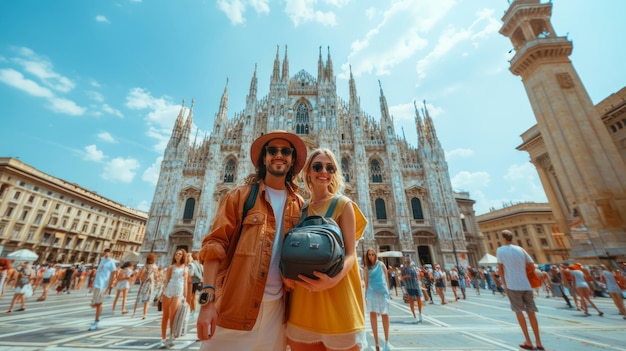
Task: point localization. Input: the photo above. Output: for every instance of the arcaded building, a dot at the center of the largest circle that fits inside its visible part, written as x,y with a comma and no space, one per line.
61,221
402,186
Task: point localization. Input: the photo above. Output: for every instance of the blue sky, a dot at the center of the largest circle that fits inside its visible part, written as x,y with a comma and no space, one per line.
89,90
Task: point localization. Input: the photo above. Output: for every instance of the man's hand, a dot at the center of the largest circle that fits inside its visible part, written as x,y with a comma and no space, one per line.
207,321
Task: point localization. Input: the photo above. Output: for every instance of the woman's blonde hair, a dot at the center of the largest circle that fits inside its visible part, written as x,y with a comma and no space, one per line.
336,184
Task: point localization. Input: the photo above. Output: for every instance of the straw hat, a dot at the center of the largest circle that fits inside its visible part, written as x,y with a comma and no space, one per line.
293,139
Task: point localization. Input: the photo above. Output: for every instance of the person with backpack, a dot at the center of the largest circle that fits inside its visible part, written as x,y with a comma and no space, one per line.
242,297
195,281
341,324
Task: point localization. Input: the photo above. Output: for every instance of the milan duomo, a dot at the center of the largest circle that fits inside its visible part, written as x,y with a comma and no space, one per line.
403,190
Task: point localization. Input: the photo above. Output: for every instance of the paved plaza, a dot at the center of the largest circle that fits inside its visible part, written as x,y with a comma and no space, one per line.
481,322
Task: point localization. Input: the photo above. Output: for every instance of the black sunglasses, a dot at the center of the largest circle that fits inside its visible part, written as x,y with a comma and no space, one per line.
318,167
273,150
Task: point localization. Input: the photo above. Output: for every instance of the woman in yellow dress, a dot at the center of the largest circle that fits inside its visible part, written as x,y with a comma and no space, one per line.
327,313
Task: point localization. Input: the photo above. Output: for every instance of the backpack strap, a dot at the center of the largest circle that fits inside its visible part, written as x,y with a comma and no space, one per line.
332,206
329,212
254,191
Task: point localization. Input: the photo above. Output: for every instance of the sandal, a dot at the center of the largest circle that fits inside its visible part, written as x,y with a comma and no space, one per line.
526,347
539,348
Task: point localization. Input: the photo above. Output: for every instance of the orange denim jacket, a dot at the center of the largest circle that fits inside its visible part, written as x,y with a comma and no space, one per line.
240,283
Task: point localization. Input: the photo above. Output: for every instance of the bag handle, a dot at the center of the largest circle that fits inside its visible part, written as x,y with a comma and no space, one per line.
329,212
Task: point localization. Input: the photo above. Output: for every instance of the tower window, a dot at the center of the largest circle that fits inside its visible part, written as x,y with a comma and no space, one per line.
381,211
376,172
229,171
190,205
416,206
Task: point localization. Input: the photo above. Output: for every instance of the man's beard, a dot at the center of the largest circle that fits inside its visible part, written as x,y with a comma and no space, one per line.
273,171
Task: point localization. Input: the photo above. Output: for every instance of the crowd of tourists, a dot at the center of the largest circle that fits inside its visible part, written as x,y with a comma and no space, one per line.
237,289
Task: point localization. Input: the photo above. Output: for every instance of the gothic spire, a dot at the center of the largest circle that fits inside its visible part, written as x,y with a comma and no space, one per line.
419,125
355,108
320,68
253,86
384,110
330,73
178,127
285,76
221,117
276,72
189,121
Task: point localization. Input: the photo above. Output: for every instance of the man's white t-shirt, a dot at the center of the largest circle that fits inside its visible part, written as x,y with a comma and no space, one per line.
514,259
274,283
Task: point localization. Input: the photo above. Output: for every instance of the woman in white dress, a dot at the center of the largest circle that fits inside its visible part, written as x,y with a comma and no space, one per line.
612,288
173,294
582,289
124,276
23,288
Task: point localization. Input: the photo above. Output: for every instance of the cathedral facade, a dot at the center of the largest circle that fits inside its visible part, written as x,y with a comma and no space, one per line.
404,190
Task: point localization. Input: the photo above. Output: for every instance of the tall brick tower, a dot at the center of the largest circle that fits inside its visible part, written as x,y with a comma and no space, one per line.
581,169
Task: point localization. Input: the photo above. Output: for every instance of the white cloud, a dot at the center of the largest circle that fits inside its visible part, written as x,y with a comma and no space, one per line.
94,95
451,37
160,118
260,6
459,153
102,19
303,11
397,37
110,110
93,154
151,174
65,106
106,136
370,12
17,80
121,169
42,70
470,181
233,9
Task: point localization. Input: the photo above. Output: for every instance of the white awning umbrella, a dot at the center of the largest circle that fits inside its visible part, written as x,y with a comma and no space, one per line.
488,260
390,254
23,255
132,257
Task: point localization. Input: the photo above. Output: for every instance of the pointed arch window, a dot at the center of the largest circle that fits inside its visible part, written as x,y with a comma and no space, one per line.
376,172
416,206
302,119
190,206
345,169
381,211
229,171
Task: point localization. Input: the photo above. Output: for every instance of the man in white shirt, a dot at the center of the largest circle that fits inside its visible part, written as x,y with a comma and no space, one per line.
101,283
512,261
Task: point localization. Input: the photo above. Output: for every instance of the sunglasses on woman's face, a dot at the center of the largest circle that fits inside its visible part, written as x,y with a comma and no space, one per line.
273,150
318,167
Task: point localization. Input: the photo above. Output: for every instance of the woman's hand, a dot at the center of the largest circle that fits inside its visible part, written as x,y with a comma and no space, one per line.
322,283
289,284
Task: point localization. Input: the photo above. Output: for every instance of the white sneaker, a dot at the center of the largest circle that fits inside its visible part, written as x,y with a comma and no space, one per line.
94,326
162,344
415,320
170,342
420,317
386,348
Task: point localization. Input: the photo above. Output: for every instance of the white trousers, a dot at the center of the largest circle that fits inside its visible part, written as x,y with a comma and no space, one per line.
268,333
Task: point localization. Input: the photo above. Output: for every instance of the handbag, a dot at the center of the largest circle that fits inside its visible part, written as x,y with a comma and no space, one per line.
314,244
181,319
533,278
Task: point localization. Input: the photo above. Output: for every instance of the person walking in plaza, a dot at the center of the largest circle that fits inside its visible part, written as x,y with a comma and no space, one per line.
174,292
5,265
146,285
556,281
68,275
195,281
427,281
581,284
568,282
377,295
612,288
512,263
249,312
23,286
341,325
102,283
47,279
123,279
440,283
411,281
462,280
454,282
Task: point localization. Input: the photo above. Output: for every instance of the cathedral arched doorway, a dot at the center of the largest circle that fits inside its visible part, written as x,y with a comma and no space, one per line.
179,240
425,242
388,241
